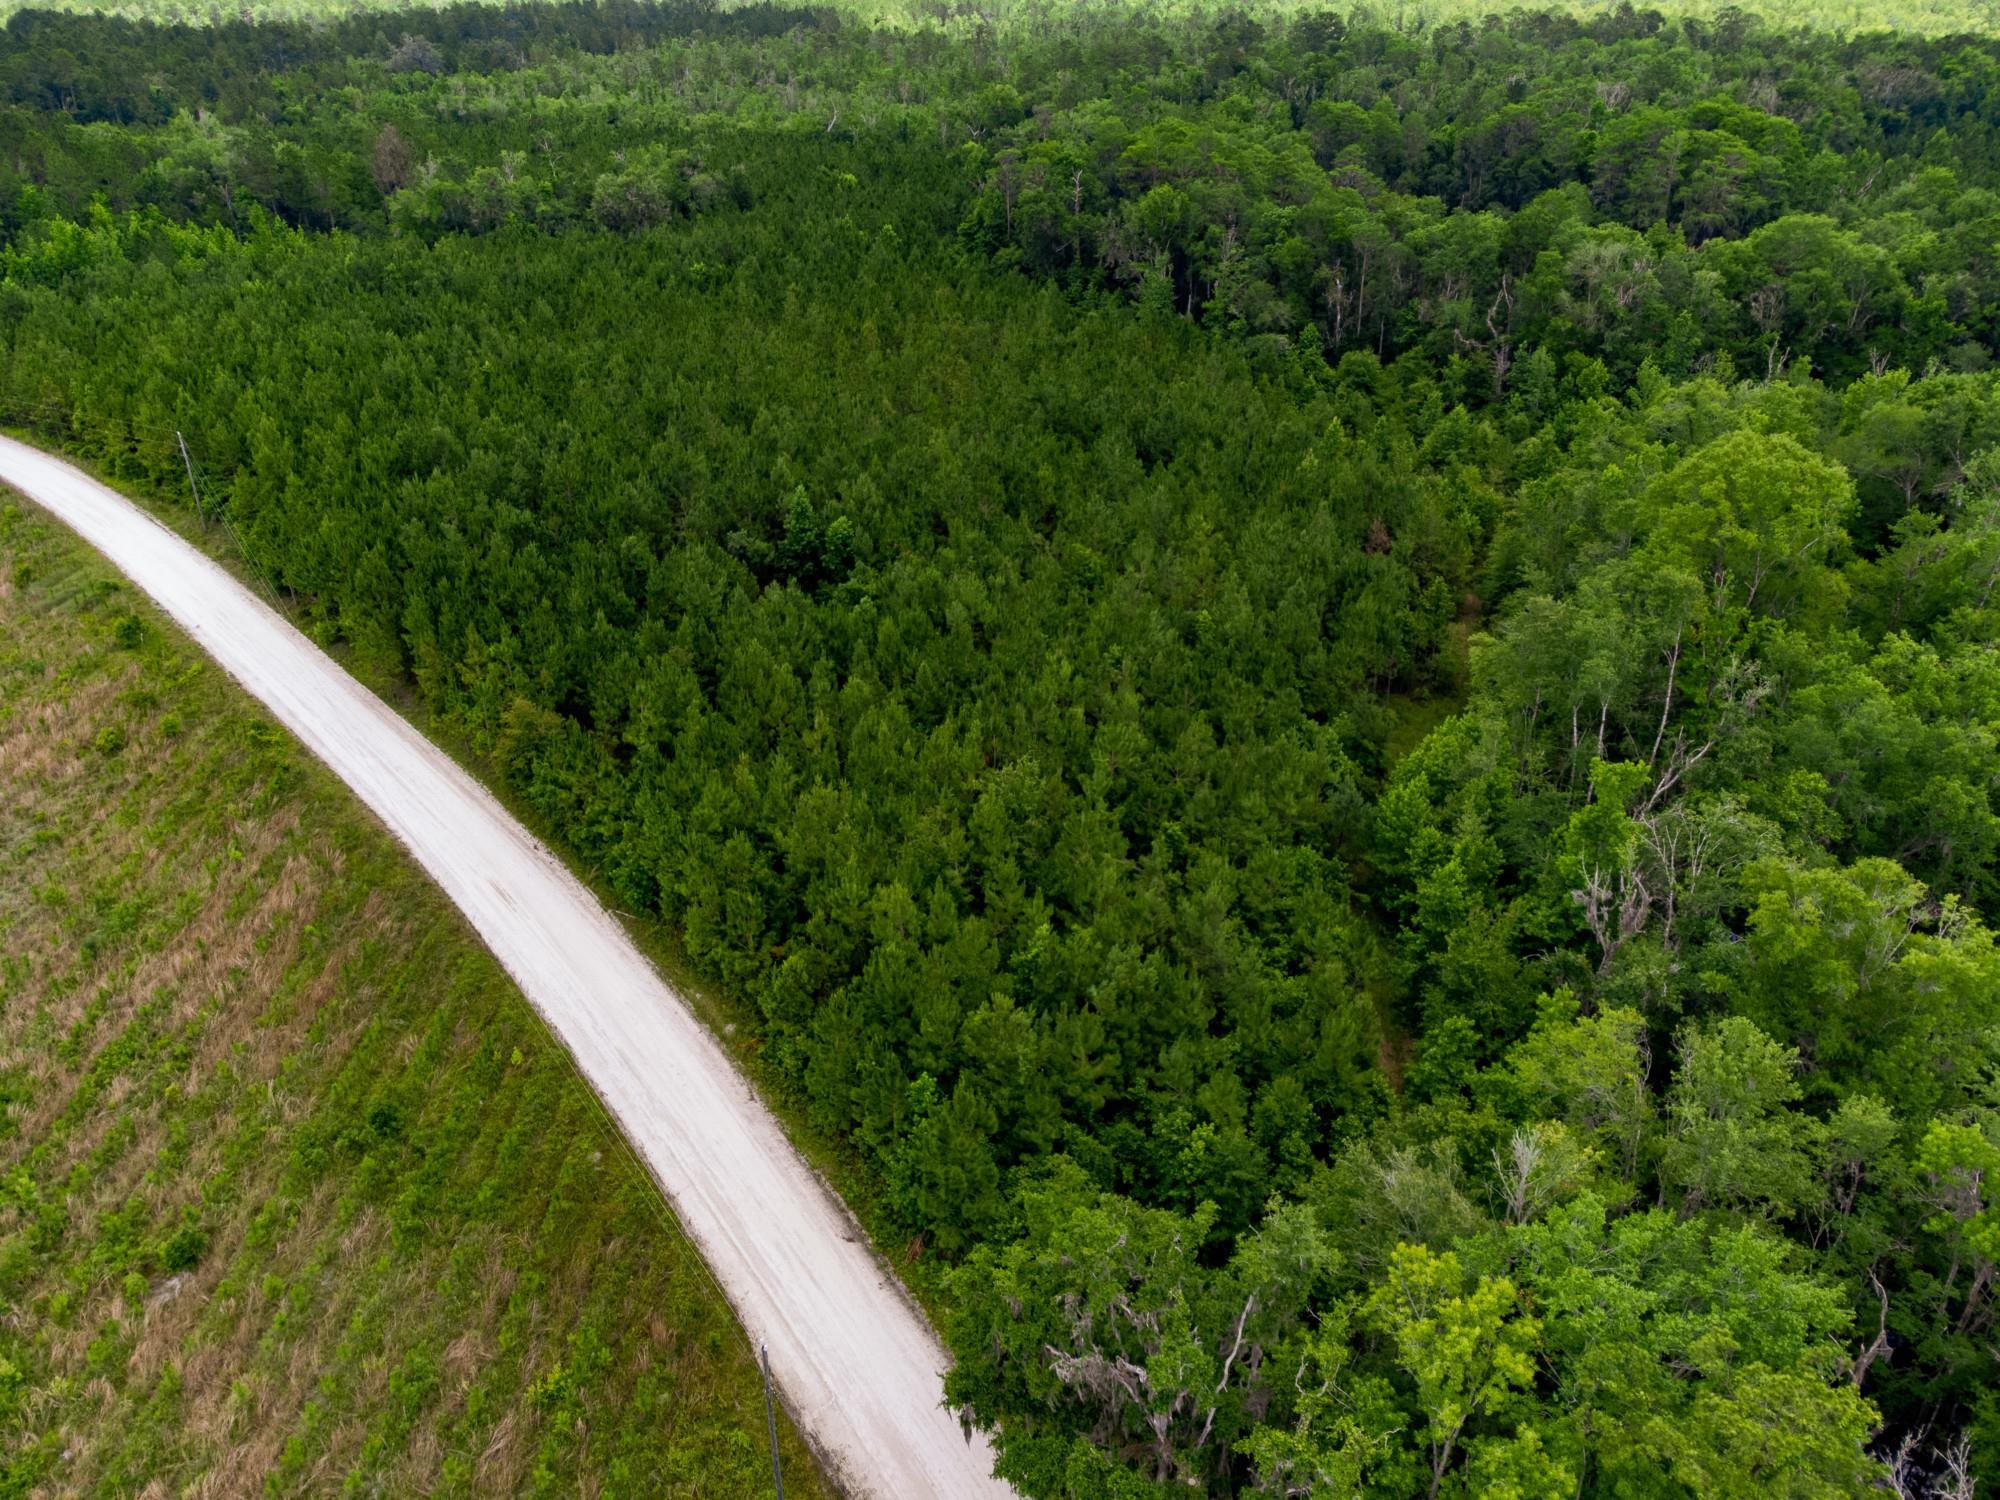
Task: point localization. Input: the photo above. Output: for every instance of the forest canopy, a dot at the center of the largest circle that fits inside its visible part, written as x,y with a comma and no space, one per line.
1330,683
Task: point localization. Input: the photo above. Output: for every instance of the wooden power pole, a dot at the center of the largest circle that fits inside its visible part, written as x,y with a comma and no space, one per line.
771,1420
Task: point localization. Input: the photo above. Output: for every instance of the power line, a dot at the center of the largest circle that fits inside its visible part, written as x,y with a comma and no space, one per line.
190,468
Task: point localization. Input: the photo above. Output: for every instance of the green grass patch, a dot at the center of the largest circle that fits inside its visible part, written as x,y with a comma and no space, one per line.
297,1194
1409,718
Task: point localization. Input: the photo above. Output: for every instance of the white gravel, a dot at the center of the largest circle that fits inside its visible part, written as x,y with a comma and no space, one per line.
858,1364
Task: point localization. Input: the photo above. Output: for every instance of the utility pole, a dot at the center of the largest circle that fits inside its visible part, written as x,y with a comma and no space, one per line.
190,468
771,1419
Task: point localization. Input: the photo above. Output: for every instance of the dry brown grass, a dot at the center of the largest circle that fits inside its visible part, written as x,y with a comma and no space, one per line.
211,967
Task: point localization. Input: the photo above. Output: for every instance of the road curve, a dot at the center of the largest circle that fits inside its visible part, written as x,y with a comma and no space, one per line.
857,1362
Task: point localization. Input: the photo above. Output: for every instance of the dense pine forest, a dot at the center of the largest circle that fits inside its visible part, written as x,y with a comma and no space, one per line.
1329,678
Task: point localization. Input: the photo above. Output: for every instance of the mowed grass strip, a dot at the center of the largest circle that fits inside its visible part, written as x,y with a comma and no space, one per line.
297,1195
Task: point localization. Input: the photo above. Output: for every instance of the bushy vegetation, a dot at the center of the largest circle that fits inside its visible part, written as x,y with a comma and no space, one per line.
1329,684
296,1194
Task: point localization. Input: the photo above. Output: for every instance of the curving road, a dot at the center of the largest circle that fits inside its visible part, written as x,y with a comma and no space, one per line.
858,1364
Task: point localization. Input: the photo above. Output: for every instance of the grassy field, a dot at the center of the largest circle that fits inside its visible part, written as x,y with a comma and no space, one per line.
296,1194
1926,16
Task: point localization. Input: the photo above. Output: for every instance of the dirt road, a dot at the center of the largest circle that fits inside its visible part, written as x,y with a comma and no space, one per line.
858,1364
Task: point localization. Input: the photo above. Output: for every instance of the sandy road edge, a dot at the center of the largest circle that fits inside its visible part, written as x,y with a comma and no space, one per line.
871,1441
